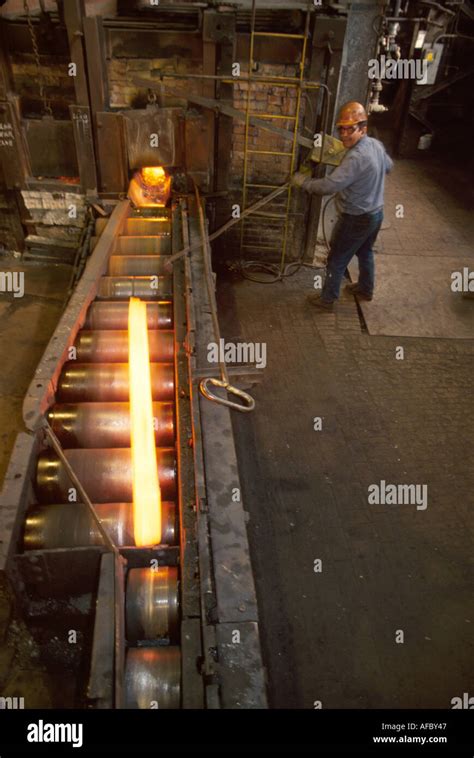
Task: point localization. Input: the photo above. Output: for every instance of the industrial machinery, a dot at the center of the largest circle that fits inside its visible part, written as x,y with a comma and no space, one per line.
138,625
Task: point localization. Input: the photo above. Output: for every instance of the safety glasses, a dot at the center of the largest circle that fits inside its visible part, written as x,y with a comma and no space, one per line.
347,129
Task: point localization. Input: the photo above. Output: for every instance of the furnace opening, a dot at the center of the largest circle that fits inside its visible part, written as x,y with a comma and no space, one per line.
150,187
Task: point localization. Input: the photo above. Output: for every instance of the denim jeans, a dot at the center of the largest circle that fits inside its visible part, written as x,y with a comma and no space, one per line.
352,235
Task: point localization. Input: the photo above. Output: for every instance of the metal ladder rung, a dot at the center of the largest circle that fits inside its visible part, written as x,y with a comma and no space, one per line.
261,247
279,34
269,215
271,81
277,81
269,152
262,186
268,115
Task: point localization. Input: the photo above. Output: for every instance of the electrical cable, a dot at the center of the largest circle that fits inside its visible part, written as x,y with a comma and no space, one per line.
272,269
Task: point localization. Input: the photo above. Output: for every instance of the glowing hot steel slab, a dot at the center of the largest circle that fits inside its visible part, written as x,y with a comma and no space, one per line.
146,487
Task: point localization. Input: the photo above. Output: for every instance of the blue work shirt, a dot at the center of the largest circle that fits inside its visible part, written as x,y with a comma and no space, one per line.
359,179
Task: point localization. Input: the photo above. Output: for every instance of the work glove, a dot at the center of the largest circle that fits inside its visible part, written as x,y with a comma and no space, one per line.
298,179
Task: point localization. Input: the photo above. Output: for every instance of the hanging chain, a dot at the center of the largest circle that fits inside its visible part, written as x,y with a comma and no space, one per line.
34,43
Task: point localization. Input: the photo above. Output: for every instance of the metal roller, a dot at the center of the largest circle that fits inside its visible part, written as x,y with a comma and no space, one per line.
152,603
136,265
143,245
159,226
48,527
125,287
111,315
106,424
110,345
106,475
153,677
109,382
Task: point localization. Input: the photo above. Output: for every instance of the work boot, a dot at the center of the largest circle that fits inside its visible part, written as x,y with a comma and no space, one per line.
317,302
354,290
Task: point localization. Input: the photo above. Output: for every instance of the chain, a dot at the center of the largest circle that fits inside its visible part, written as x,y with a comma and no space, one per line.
34,43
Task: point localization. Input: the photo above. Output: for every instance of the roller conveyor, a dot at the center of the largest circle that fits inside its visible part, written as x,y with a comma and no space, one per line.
137,265
110,346
71,525
113,315
124,287
90,416
106,474
106,424
109,381
158,616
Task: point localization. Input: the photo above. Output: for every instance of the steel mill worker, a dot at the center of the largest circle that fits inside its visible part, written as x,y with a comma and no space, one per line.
359,181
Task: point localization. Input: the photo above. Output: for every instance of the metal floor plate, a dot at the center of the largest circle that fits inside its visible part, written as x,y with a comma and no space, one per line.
413,298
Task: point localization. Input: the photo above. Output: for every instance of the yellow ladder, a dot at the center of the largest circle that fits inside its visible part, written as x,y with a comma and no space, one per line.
273,81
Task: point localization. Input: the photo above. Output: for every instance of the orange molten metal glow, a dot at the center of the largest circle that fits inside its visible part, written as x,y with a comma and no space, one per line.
146,487
150,187
153,175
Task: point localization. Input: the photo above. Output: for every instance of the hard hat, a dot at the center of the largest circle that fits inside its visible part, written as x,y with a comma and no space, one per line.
351,113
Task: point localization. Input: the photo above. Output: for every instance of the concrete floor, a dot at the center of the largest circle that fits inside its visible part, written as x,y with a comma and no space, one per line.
331,636
418,250
27,325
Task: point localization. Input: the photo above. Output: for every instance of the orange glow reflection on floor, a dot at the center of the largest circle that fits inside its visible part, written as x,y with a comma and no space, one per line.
146,487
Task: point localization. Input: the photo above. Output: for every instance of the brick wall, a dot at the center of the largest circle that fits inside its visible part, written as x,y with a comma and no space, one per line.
124,94
10,227
262,169
263,236
50,225
58,85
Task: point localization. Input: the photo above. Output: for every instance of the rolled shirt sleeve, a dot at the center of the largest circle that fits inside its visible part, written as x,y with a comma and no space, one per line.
341,177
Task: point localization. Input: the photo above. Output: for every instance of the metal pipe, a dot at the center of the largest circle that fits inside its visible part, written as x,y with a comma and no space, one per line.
451,36
438,7
413,19
111,315
106,424
143,226
136,265
151,610
110,382
70,477
111,346
106,475
61,525
153,677
157,76
144,287
142,245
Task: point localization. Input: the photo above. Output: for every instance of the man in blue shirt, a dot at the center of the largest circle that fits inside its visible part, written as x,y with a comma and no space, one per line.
359,181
